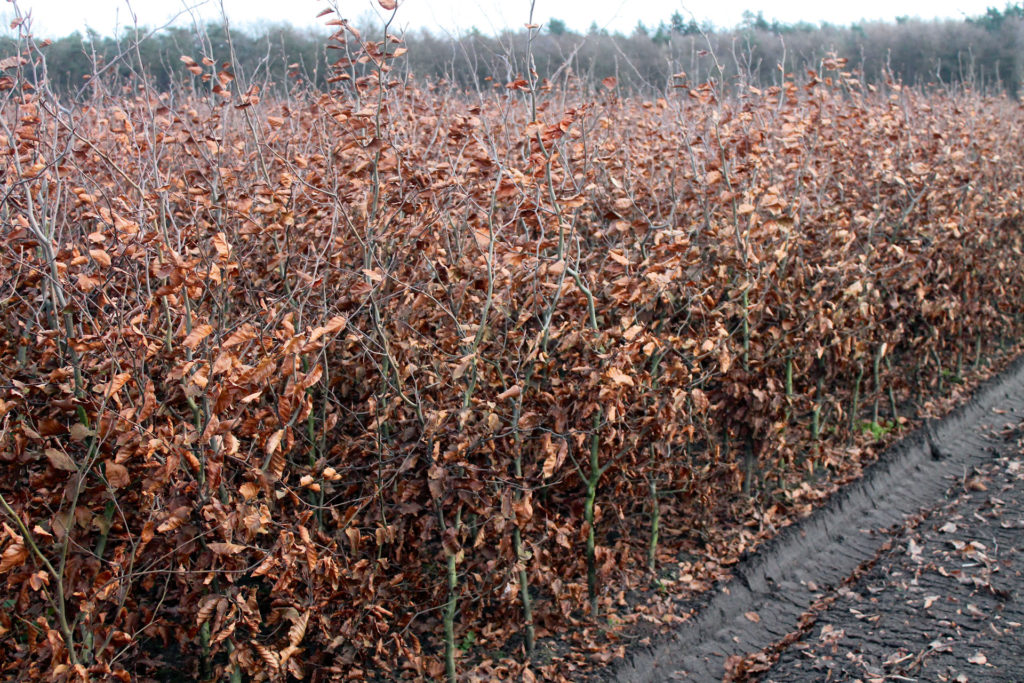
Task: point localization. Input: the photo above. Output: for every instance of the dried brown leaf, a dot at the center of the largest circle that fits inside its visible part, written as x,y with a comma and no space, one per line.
117,475
298,630
222,548
198,334
60,460
13,557
101,257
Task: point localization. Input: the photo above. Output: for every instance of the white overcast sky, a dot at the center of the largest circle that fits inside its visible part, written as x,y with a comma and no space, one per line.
59,17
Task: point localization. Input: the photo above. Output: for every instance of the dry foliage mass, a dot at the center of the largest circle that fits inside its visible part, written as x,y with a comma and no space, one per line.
319,385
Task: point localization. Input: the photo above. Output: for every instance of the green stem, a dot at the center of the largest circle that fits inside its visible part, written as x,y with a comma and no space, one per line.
746,329
108,518
855,403
58,579
749,466
205,665
588,511
522,557
878,382
450,609
816,415
652,547
524,593
789,387
892,395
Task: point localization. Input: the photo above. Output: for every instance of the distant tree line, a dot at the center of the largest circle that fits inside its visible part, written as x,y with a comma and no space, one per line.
985,52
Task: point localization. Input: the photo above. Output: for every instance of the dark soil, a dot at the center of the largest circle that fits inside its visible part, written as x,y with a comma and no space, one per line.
946,603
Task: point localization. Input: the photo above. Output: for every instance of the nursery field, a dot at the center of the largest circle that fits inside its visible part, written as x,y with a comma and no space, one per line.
397,382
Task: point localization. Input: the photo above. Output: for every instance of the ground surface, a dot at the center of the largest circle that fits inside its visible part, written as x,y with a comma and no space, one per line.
944,603
914,573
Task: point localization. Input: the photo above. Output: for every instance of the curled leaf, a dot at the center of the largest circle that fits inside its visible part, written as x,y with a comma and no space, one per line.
14,556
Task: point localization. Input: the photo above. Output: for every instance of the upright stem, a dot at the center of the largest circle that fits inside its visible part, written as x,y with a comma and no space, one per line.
450,608
517,538
816,415
878,382
59,604
588,511
652,547
746,329
749,465
749,460
524,593
789,386
855,403
892,396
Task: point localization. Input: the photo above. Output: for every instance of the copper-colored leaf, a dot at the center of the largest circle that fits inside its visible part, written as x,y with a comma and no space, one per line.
50,427
220,244
14,556
273,442
298,630
700,400
619,377
79,432
222,363
554,460
631,333
117,475
148,401
310,379
86,282
268,656
354,539
265,567
724,361
222,548
206,609
512,392
175,519
243,334
11,62
60,460
115,384
249,490
101,257
198,334
523,510
277,464
335,324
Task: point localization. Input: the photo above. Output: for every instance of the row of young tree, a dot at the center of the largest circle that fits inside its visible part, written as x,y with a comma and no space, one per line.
984,52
